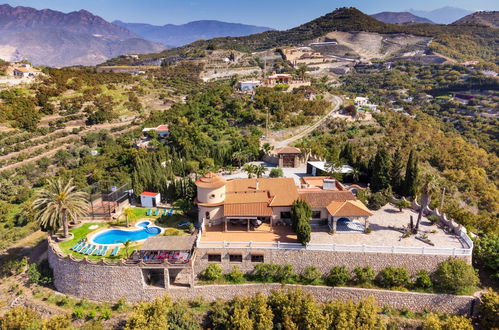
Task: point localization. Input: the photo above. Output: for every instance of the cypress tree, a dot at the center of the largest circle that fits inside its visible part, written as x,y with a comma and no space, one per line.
381,171
396,172
410,187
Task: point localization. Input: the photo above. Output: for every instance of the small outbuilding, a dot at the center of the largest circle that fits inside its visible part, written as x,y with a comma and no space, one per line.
288,157
150,199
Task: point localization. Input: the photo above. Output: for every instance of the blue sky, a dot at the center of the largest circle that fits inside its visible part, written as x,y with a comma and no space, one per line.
280,14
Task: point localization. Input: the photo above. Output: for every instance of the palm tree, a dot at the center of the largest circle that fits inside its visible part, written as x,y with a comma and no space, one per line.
259,170
267,147
250,169
126,247
240,157
302,70
185,205
355,175
59,203
428,186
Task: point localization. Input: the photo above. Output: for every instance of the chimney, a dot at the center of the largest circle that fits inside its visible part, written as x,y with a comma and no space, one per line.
329,184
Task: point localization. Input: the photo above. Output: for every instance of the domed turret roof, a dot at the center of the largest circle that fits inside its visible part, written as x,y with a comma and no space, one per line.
210,180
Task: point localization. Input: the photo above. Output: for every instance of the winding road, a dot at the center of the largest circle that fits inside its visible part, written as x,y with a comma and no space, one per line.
338,102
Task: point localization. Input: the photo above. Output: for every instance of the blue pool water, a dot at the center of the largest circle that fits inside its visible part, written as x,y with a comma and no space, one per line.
114,236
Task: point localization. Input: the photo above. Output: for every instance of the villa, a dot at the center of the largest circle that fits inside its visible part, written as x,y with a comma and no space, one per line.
257,201
26,71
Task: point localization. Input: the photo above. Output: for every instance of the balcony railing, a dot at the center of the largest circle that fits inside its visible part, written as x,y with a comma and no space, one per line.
337,248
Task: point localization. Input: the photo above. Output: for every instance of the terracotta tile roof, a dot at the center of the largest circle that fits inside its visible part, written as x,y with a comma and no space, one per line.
147,193
210,180
287,150
247,210
323,198
247,197
25,70
162,128
282,190
348,209
318,181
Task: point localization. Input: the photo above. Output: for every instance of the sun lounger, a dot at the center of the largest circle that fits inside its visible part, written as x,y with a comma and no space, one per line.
97,250
77,245
164,212
156,212
170,212
148,213
103,251
115,251
83,248
90,250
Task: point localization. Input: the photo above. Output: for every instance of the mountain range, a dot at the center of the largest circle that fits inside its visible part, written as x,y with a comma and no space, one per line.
400,17
172,35
444,15
54,38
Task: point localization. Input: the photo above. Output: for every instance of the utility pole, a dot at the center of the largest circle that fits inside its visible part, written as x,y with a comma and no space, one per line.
267,124
442,200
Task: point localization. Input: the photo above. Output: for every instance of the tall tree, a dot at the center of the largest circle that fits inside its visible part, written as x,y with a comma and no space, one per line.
410,187
59,203
301,212
381,168
396,172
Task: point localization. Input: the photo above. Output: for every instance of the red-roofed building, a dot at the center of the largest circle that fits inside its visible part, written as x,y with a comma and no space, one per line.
162,130
26,71
150,199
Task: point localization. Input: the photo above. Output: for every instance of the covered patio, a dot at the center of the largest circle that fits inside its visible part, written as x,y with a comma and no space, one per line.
348,216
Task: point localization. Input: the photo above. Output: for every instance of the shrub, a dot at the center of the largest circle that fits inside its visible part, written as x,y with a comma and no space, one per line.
20,318
489,310
423,280
79,313
212,272
40,273
433,219
310,275
402,204
456,276
338,275
377,200
276,173
364,275
393,276
236,276
453,322
274,273
105,314
120,305
486,253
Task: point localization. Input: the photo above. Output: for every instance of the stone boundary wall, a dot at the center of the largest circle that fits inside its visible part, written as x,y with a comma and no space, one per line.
108,282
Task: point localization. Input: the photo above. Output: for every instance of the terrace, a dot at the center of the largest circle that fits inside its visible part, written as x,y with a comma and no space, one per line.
239,233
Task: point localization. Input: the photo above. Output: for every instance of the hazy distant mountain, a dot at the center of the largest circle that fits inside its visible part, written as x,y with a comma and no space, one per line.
484,18
54,38
444,15
177,35
399,17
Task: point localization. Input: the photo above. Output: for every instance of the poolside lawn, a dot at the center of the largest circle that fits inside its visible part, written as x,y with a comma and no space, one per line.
82,232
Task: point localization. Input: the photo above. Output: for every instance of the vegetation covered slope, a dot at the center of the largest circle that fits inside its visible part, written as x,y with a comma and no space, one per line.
457,41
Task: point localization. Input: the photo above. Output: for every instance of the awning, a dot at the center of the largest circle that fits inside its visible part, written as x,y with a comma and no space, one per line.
169,243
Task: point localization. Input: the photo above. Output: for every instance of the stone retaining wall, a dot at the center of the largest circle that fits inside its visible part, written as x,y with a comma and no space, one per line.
100,282
323,260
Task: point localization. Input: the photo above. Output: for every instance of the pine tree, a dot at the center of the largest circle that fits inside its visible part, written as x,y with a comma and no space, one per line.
410,187
396,172
380,179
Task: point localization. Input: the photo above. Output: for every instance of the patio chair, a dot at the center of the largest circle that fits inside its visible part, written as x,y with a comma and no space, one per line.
148,213
103,251
156,212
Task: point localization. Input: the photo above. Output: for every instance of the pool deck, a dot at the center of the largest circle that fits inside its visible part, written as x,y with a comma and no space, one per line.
135,227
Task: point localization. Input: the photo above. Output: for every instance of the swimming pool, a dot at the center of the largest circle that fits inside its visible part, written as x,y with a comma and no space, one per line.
117,236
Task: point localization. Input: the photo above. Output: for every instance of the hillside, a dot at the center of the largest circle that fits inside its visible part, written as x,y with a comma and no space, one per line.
172,35
483,18
459,42
48,37
399,18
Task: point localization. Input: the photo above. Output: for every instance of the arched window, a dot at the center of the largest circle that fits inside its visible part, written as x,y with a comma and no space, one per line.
212,196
